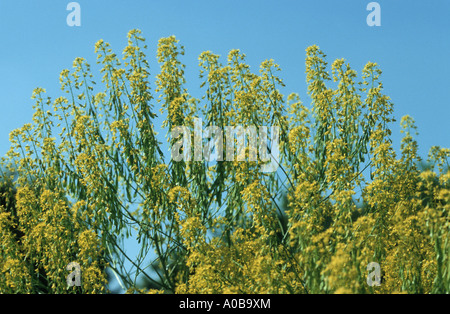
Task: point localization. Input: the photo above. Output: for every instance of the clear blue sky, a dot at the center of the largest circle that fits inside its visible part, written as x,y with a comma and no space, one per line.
412,46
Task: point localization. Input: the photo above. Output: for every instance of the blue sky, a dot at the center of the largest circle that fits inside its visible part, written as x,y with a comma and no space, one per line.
412,47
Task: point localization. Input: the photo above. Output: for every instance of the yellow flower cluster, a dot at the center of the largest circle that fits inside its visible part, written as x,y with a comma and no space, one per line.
340,200
40,239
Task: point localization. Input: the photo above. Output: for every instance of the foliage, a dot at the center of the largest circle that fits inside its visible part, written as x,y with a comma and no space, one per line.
100,175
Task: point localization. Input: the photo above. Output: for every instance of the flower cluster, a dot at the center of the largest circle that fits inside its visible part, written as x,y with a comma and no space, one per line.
90,171
39,239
